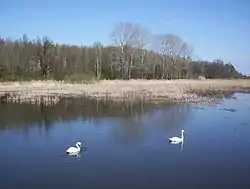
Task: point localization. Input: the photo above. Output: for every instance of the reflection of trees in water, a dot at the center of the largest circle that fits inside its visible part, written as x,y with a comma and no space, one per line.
171,117
29,115
128,131
24,116
133,121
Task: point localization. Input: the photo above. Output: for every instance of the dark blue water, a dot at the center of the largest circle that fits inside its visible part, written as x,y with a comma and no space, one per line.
126,146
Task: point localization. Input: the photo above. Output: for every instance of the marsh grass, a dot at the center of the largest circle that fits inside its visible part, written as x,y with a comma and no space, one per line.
123,90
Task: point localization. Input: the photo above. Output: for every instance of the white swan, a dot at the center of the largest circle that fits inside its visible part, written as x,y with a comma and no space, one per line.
177,140
74,150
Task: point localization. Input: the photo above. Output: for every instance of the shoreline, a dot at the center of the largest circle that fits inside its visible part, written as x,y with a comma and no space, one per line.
184,90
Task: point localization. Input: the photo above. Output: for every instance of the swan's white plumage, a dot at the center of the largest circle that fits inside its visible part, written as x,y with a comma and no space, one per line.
177,139
73,150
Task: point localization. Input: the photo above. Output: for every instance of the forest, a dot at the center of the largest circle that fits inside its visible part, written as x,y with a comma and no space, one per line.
135,53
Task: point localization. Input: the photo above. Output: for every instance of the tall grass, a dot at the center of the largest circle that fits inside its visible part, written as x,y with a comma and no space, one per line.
158,90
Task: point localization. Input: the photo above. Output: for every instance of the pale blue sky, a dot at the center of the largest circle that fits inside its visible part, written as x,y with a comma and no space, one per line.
217,29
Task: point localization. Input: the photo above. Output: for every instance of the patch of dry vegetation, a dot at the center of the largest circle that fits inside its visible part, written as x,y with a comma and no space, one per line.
154,90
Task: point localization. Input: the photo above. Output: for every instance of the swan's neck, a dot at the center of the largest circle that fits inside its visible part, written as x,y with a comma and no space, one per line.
78,146
182,136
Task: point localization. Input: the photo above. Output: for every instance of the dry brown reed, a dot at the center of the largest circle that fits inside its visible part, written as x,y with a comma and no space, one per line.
155,90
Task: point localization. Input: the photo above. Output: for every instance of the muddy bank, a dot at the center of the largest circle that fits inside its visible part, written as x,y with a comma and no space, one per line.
154,90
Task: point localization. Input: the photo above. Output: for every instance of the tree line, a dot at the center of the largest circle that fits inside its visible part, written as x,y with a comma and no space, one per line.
135,53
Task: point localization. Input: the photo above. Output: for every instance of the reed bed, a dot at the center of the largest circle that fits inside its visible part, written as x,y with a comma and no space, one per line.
121,90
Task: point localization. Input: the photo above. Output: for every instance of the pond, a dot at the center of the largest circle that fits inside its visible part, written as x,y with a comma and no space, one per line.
126,145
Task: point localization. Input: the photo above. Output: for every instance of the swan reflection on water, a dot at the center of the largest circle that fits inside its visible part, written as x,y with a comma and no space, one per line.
76,155
182,146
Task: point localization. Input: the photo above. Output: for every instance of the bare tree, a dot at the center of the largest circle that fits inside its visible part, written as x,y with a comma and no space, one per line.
120,35
141,42
127,36
161,47
45,59
186,53
98,53
171,48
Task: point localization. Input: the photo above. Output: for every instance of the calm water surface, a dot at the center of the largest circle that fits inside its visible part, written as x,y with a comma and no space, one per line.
126,146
